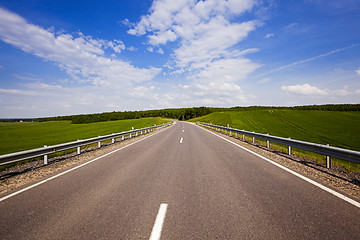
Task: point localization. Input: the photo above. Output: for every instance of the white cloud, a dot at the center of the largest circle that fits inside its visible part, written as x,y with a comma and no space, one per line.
206,33
116,45
215,85
204,28
305,89
232,69
82,57
126,22
214,94
97,82
178,71
160,51
51,100
162,38
213,42
132,49
269,35
41,85
18,92
166,13
358,71
292,25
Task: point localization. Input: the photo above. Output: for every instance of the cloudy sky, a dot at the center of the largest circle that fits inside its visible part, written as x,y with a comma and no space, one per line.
64,57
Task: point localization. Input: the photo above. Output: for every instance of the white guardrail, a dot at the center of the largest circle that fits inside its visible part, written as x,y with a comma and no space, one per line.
328,151
46,150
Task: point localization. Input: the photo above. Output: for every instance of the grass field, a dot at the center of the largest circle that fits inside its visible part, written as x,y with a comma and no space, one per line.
339,129
16,137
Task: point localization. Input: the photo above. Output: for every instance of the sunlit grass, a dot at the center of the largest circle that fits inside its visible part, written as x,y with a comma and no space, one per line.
16,137
339,129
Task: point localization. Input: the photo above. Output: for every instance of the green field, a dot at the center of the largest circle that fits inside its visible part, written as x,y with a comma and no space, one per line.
340,129
18,136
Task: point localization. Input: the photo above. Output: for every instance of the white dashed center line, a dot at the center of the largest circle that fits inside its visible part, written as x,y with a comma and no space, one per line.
181,140
159,221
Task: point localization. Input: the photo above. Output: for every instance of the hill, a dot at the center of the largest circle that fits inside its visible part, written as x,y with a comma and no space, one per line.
337,128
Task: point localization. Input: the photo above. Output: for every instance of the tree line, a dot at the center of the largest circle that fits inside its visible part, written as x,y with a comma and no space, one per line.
178,113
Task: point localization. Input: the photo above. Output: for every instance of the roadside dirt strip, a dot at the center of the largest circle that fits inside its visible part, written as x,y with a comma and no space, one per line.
183,182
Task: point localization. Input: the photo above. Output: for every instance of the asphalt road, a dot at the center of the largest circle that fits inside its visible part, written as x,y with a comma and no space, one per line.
213,190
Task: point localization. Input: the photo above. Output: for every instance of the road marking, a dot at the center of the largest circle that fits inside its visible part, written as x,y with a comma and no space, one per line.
181,140
159,221
183,130
339,195
72,169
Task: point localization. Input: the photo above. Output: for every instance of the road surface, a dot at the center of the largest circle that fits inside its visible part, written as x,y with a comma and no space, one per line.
207,187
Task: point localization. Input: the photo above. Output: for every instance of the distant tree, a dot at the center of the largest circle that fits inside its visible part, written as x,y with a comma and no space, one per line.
180,113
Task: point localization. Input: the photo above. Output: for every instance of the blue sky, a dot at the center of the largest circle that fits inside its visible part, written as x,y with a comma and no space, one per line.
64,57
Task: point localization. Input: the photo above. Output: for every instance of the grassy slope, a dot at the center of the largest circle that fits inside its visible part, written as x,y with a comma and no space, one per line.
16,137
339,129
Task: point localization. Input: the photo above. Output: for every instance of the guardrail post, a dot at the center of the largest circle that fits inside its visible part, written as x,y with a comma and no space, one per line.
130,135
328,161
230,133
45,157
136,134
236,135
348,155
123,137
268,143
78,150
253,140
289,151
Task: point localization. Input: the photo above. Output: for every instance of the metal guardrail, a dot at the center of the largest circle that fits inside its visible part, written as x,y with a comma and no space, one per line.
340,153
46,150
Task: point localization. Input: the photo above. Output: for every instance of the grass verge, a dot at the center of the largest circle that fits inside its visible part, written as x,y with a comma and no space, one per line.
337,128
15,137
